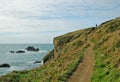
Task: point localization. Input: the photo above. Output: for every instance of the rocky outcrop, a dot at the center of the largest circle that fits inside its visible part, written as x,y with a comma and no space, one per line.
37,62
20,51
31,48
4,65
12,51
48,57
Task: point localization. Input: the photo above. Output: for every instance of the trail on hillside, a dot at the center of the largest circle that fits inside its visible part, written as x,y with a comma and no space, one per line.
84,70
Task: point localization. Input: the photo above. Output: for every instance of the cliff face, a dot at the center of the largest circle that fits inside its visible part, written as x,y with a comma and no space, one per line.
69,50
71,40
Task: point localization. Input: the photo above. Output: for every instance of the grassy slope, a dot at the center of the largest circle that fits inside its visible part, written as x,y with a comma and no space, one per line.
107,52
68,53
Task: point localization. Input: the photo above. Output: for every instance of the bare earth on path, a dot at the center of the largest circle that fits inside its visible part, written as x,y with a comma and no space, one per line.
84,70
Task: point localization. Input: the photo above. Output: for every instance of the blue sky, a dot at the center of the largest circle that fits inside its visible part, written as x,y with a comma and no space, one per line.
39,21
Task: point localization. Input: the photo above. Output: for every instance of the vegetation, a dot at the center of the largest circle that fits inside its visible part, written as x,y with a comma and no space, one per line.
118,44
72,67
49,56
107,53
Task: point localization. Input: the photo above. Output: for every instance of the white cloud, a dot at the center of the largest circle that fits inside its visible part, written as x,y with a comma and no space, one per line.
21,20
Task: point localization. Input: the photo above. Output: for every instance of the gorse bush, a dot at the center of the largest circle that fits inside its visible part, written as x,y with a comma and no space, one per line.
113,26
118,44
79,43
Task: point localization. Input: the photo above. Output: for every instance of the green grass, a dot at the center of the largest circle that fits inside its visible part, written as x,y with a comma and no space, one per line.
71,68
105,70
106,53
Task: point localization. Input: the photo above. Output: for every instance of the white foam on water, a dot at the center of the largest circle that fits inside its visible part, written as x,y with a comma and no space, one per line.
10,69
43,51
30,62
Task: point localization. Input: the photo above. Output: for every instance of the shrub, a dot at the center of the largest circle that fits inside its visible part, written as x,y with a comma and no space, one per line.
113,26
118,44
78,43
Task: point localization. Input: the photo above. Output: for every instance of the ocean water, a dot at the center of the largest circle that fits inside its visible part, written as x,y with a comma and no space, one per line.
22,61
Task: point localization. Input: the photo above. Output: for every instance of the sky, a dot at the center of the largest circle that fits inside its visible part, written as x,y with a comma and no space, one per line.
39,21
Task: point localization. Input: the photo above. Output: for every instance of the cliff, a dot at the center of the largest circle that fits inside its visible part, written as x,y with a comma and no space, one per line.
71,49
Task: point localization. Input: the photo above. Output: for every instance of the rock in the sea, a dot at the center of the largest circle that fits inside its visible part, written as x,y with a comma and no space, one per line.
4,65
12,51
37,62
20,51
31,48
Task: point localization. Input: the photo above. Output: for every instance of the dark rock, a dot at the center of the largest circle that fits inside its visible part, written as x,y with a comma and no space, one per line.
20,51
37,49
4,65
37,62
31,48
12,51
48,57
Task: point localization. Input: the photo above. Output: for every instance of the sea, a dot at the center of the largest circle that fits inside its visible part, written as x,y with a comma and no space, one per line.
22,61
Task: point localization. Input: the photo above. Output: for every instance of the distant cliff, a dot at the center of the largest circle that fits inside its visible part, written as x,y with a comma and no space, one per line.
68,53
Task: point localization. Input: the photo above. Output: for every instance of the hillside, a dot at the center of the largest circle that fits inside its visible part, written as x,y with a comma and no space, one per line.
86,55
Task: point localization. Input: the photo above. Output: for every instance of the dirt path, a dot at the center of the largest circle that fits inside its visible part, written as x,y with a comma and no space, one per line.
85,68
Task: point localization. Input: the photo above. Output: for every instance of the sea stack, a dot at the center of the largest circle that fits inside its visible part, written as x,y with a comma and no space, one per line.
4,65
31,48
